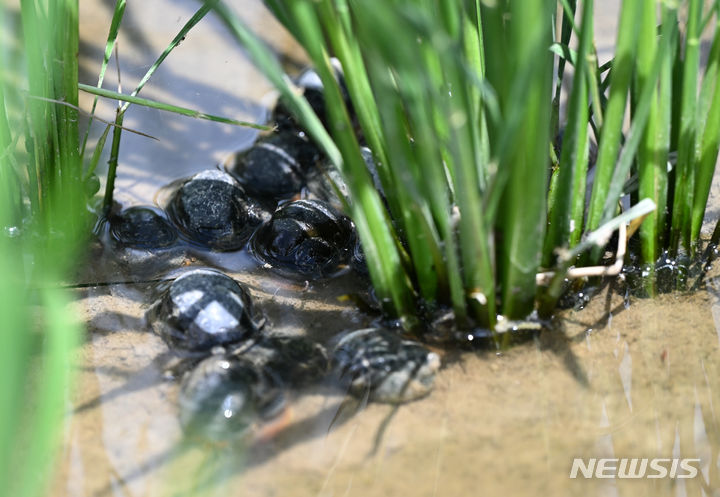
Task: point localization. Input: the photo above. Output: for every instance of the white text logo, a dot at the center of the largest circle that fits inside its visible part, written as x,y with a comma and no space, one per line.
634,468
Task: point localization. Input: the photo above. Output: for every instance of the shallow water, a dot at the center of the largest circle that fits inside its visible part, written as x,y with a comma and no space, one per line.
612,380
607,381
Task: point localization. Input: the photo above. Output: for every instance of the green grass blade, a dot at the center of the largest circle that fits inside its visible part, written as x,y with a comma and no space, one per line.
113,162
648,152
36,330
97,153
566,215
51,391
599,102
115,146
207,6
373,226
368,211
611,134
15,346
685,169
404,104
117,17
568,23
522,215
169,108
708,150
638,126
345,46
267,62
457,133
664,129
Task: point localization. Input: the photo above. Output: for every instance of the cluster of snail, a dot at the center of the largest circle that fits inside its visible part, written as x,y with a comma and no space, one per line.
240,372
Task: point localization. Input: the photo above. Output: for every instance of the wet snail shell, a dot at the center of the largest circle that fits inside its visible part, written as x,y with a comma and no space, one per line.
309,81
378,364
305,237
204,308
224,396
275,167
327,184
296,360
211,209
142,228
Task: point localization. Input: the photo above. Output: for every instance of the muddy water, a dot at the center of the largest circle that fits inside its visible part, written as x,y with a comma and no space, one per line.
612,380
609,381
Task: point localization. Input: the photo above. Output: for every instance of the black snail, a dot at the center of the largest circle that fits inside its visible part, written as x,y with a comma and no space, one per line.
211,209
225,396
276,166
142,228
204,308
305,237
378,364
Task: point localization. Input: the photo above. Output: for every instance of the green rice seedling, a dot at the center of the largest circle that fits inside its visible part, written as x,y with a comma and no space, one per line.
676,157
41,215
669,150
452,98
132,98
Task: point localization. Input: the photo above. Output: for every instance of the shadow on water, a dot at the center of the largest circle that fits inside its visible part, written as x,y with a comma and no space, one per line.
133,381
210,464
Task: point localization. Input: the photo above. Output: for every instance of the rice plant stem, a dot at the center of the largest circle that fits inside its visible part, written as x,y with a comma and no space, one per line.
638,126
709,145
647,152
598,118
370,217
612,123
522,218
568,21
347,50
113,163
566,215
115,146
117,17
684,169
